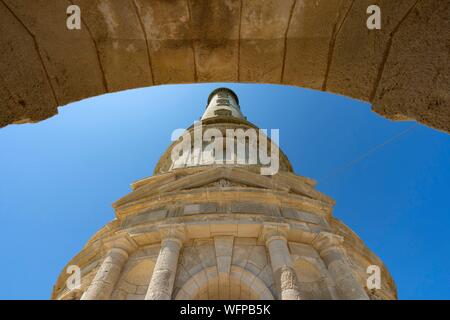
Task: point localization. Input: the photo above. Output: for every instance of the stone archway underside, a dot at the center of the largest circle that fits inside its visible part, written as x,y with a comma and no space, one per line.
402,69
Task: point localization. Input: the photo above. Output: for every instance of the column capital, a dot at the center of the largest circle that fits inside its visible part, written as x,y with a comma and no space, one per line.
176,232
272,231
326,240
120,241
119,247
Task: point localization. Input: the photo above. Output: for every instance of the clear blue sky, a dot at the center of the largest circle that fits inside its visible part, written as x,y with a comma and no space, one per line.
59,177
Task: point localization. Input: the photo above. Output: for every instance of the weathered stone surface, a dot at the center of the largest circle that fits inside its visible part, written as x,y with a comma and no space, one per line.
215,30
248,207
151,215
26,93
167,26
200,208
354,72
402,69
311,32
263,29
415,80
216,60
70,57
107,275
304,216
163,276
121,42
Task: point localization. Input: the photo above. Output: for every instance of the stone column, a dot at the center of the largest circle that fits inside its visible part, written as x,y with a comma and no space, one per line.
275,236
163,277
333,254
109,271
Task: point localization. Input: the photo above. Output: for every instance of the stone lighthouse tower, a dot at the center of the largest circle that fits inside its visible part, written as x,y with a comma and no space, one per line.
225,217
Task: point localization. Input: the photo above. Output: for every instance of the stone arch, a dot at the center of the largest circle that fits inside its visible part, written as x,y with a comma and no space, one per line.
401,70
238,277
